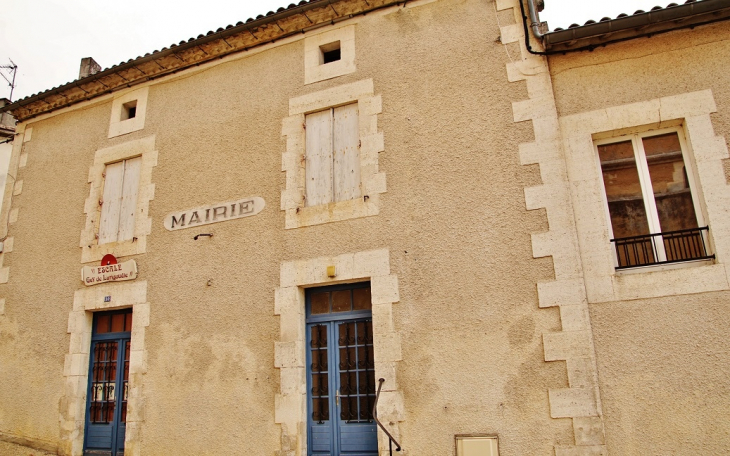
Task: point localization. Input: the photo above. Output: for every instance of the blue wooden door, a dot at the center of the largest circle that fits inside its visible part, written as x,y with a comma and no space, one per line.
106,405
340,372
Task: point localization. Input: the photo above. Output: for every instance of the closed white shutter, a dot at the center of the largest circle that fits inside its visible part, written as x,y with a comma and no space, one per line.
332,170
346,153
130,190
111,203
119,204
318,172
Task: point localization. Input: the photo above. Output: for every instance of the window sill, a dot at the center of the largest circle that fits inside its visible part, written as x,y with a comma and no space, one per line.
93,253
658,282
332,212
665,266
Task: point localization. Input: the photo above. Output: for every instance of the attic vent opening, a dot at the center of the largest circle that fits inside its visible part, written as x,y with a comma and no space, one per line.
330,52
129,110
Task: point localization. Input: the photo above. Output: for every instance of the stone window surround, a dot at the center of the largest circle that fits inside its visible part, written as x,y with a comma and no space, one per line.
314,69
290,349
118,126
293,160
91,250
706,152
76,365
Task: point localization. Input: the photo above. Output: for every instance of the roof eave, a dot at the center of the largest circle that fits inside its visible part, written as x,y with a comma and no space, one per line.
21,113
639,25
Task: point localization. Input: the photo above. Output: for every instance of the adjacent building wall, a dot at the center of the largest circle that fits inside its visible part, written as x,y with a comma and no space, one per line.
660,337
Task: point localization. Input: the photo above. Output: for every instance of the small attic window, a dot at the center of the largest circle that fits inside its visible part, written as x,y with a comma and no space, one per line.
129,110
330,52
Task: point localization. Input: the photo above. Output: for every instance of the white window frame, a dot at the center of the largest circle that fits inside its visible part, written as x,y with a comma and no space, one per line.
647,191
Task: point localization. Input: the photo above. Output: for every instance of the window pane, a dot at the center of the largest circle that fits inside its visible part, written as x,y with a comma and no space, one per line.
320,303
361,299
669,183
341,301
623,190
128,322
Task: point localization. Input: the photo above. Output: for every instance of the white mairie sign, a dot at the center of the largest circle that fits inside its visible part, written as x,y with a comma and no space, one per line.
94,275
214,213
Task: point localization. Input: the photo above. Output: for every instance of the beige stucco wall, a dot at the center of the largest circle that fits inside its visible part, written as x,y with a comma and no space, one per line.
661,361
454,221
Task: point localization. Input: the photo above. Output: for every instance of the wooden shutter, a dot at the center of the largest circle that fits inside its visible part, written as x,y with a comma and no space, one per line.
111,203
130,190
121,186
346,153
318,170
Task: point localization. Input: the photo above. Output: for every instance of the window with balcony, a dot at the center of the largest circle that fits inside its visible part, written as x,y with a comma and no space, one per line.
654,214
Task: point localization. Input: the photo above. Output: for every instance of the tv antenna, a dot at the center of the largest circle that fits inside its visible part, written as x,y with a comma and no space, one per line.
11,69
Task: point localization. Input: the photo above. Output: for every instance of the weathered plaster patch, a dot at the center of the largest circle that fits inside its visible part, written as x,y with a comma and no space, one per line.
290,350
372,182
76,366
91,250
574,344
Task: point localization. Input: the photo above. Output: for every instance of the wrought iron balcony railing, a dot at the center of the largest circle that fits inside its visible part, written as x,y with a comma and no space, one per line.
662,248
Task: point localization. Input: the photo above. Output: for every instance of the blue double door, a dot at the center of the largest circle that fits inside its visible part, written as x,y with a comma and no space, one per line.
340,372
106,405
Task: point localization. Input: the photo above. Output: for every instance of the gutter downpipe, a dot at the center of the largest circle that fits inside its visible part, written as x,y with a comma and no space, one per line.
534,17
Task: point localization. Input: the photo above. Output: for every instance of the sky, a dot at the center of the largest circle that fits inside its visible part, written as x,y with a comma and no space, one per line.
48,38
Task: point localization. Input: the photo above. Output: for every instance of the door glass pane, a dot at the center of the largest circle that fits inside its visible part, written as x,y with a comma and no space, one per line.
341,301
320,303
118,323
357,374
361,299
104,373
319,376
102,324
125,380
128,322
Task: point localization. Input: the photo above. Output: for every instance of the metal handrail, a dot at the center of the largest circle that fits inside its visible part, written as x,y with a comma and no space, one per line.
375,417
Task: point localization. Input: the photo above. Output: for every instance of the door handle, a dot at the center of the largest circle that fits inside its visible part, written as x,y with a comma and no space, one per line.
337,398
